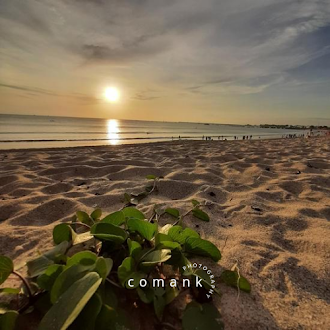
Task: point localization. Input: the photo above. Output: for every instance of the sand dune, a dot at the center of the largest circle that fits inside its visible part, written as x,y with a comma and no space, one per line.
268,200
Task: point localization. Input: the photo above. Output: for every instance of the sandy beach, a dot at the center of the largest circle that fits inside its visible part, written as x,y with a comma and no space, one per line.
268,200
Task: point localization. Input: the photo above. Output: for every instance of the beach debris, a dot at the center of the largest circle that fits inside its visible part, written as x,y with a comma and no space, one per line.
310,165
258,209
135,198
298,172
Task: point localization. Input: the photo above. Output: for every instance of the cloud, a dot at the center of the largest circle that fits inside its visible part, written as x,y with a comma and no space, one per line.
201,47
35,91
123,54
146,95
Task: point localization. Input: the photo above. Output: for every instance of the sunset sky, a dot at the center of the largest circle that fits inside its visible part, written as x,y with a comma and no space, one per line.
224,61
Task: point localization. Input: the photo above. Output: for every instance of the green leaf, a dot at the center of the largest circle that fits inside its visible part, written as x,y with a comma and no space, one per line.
126,269
200,215
146,229
115,218
109,232
8,320
103,267
155,257
84,217
96,214
126,272
39,265
180,235
66,279
230,278
161,238
169,245
110,318
6,267
10,291
202,247
145,294
195,203
159,305
207,282
63,232
131,212
205,316
57,250
134,247
135,278
85,258
159,291
151,177
46,280
173,212
86,319
71,303
170,294
165,242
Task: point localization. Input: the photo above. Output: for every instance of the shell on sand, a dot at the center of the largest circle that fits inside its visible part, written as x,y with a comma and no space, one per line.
268,200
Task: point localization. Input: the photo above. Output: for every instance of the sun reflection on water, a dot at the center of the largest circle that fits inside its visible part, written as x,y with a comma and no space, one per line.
113,130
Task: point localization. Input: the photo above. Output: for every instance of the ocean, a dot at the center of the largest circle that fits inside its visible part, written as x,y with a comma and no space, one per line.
20,131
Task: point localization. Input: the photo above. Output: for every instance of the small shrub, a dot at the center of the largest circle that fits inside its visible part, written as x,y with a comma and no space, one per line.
99,286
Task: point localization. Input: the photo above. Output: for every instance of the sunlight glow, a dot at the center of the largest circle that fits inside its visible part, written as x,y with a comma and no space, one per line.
111,94
112,131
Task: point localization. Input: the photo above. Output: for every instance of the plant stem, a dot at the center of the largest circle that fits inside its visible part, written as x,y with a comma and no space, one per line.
79,224
181,218
151,250
26,283
113,283
153,188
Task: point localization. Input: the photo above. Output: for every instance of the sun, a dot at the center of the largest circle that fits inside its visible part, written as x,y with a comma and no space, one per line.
111,94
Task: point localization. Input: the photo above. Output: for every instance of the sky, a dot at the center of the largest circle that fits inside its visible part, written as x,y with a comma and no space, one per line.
221,61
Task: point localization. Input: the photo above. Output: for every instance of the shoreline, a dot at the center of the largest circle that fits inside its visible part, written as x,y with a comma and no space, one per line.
154,142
